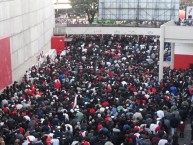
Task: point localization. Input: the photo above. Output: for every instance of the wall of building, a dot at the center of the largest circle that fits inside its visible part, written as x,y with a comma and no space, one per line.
181,37
183,55
5,60
178,34
111,30
29,23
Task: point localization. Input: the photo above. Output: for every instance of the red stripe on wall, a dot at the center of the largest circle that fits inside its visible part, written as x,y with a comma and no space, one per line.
182,61
5,62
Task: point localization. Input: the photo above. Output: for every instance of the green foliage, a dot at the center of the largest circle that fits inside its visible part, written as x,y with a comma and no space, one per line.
89,7
108,21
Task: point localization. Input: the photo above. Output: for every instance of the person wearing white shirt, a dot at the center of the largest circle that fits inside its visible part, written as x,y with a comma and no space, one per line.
84,58
137,115
160,114
69,127
55,141
153,127
108,64
162,141
75,143
124,83
4,102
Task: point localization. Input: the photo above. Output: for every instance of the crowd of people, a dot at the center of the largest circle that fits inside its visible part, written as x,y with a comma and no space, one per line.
101,91
186,22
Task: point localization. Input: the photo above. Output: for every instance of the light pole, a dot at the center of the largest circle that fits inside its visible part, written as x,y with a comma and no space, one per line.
102,13
57,9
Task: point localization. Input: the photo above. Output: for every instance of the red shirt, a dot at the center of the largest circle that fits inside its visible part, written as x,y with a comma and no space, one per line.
92,110
6,109
29,92
107,119
99,127
23,114
152,91
14,112
147,73
33,89
144,101
109,89
157,129
22,130
117,56
48,141
57,85
106,103
110,74
69,56
99,78
67,73
181,127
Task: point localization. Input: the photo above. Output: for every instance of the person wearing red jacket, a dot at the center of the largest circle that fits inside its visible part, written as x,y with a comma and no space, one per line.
181,128
57,84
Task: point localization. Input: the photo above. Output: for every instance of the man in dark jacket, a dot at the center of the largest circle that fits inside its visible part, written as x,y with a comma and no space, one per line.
174,122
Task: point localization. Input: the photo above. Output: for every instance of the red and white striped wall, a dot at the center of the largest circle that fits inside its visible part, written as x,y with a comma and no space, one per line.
183,55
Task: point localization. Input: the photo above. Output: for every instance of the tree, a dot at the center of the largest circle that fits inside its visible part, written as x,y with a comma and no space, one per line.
88,7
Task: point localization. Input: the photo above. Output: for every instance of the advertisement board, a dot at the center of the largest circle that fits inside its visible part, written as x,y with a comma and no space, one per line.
161,10
189,12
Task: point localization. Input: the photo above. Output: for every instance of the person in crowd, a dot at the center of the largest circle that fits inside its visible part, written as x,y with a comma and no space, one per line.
181,128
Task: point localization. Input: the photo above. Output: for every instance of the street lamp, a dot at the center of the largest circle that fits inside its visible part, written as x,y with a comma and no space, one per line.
102,13
57,9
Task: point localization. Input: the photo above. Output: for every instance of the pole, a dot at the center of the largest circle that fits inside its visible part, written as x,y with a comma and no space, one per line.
161,53
57,10
172,55
102,11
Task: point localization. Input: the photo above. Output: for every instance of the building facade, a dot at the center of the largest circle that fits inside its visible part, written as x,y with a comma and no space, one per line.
29,25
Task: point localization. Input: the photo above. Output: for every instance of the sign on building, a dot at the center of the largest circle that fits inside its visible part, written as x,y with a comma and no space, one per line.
189,12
